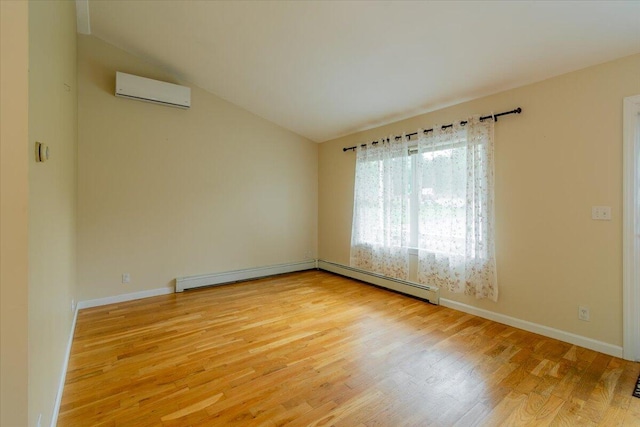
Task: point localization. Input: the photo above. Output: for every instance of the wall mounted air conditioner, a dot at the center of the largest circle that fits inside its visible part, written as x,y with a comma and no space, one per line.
148,90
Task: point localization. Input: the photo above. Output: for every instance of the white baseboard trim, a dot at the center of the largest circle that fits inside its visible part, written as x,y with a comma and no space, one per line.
124,297
429,293
63,374
191,282
579,340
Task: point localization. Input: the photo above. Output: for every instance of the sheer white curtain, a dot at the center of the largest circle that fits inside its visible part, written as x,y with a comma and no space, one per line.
380,232
456,213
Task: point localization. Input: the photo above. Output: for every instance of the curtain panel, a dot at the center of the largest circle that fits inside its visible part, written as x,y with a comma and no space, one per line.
380,231
456,247
438,200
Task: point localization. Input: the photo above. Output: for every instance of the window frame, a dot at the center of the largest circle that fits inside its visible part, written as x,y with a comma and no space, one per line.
413,245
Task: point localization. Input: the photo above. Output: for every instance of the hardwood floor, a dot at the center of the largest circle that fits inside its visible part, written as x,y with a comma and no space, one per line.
316,349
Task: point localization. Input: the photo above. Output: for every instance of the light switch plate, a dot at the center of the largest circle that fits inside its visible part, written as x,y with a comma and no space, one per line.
601,213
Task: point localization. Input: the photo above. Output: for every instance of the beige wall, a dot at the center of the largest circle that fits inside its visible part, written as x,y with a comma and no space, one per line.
14,63
164,192
559,158
52,197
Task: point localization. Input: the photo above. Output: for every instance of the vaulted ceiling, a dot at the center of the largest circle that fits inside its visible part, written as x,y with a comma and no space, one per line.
324,69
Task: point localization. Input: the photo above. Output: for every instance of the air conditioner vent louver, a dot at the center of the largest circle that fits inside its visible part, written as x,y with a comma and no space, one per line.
154,91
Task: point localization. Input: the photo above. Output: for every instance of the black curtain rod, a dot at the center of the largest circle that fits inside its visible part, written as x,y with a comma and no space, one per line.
409,135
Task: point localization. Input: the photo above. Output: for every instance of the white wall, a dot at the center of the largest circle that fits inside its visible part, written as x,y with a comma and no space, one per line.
165,192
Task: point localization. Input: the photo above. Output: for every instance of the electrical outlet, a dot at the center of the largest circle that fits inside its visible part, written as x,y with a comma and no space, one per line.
601,213
73,305
126,278
308,254
583,313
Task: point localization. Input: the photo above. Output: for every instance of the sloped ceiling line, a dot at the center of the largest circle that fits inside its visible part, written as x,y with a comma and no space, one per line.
328,69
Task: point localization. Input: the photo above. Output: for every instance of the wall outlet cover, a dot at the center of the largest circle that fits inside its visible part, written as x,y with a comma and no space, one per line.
583,313
601,213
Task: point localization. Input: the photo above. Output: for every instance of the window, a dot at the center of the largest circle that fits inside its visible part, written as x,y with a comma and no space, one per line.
436,197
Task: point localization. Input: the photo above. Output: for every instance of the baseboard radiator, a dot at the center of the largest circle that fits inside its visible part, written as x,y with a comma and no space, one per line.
429,293
190,282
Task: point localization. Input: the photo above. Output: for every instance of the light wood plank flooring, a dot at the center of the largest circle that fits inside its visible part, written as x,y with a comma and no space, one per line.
316,349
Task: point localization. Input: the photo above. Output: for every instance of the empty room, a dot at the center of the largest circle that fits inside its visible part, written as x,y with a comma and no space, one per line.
319,213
